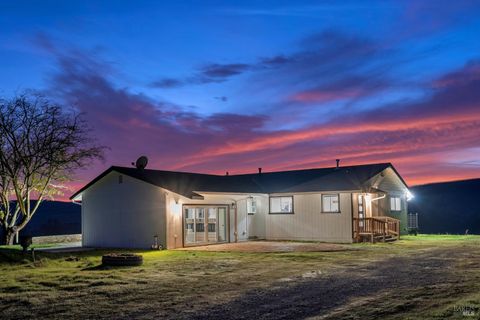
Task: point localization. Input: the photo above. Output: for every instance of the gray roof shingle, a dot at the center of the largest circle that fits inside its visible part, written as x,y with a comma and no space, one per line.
307,180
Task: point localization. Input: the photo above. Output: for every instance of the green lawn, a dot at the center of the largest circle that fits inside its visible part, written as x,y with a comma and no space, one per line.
35,245
179,283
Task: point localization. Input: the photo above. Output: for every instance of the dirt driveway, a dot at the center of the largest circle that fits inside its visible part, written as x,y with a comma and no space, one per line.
429,277
271,246
354,292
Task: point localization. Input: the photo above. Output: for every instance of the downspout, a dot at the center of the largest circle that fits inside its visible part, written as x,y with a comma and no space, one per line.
246,217
235,229
378,198
375,199
235,218
351,208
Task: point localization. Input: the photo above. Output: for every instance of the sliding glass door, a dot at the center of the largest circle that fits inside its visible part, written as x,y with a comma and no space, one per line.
205,224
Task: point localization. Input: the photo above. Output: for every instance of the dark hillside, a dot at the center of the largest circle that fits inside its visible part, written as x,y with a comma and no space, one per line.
447,207
54,218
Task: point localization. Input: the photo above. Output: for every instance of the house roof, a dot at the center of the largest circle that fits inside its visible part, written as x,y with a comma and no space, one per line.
307,180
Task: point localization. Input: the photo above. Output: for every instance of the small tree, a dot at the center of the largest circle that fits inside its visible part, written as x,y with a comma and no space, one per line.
41,145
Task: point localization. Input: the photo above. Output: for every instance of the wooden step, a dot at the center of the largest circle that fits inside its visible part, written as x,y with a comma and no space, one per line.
388,238
367,237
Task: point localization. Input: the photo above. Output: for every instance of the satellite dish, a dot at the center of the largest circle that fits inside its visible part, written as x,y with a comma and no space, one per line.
141,162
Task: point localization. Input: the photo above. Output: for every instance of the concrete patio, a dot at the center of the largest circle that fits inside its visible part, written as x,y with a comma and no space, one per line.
271,246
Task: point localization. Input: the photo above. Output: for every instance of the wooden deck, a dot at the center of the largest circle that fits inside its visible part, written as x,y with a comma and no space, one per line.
375,229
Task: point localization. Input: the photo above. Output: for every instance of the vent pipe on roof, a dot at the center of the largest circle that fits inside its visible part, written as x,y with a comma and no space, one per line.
259,170
338,163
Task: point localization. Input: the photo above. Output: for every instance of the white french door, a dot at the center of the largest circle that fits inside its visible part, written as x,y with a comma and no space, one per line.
204,224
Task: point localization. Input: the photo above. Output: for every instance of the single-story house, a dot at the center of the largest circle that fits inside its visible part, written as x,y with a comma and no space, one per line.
128,207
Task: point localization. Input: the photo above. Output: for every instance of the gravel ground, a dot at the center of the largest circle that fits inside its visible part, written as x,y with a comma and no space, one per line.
334,295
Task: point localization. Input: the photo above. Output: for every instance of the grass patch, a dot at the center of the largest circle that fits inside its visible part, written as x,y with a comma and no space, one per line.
37,245
170,282
441,237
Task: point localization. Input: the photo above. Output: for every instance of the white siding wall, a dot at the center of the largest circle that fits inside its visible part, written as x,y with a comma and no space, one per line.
242,220
309,223
256,222
129,214
125,215
174,221
174,215
392,184
252,225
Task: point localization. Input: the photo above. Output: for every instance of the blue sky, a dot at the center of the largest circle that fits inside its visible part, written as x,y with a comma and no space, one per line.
244,83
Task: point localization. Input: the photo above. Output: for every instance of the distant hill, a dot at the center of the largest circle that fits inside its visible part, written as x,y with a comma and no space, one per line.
447,207
54,218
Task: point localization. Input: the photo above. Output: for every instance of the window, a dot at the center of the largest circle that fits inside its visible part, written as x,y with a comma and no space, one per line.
212,213
251,205
395,203
281,204
330,203
189,213
200,227
200,213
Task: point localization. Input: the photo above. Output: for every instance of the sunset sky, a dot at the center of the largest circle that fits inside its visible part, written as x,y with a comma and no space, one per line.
215,86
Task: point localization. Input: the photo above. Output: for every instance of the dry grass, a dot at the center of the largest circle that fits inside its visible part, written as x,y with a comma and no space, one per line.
179,283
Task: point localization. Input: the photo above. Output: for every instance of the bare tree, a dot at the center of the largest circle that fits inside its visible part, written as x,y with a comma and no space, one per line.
41,145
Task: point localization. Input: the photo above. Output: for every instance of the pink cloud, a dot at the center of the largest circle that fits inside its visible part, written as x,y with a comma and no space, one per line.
411,134
326,96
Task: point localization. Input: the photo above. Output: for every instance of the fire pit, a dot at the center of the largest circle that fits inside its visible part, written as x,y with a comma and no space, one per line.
122,259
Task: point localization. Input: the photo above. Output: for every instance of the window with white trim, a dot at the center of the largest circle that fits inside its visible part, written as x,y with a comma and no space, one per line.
395,203
281,204
251,205
330,203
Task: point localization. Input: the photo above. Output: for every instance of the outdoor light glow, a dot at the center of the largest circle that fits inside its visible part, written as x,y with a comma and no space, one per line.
409,196
175,207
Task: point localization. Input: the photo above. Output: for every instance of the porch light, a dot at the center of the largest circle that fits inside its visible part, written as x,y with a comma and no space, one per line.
175,207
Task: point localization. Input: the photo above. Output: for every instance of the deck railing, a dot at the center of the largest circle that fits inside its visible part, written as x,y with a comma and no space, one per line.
376,228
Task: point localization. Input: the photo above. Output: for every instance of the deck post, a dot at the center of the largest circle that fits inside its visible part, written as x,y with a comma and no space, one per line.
358,229
385,230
